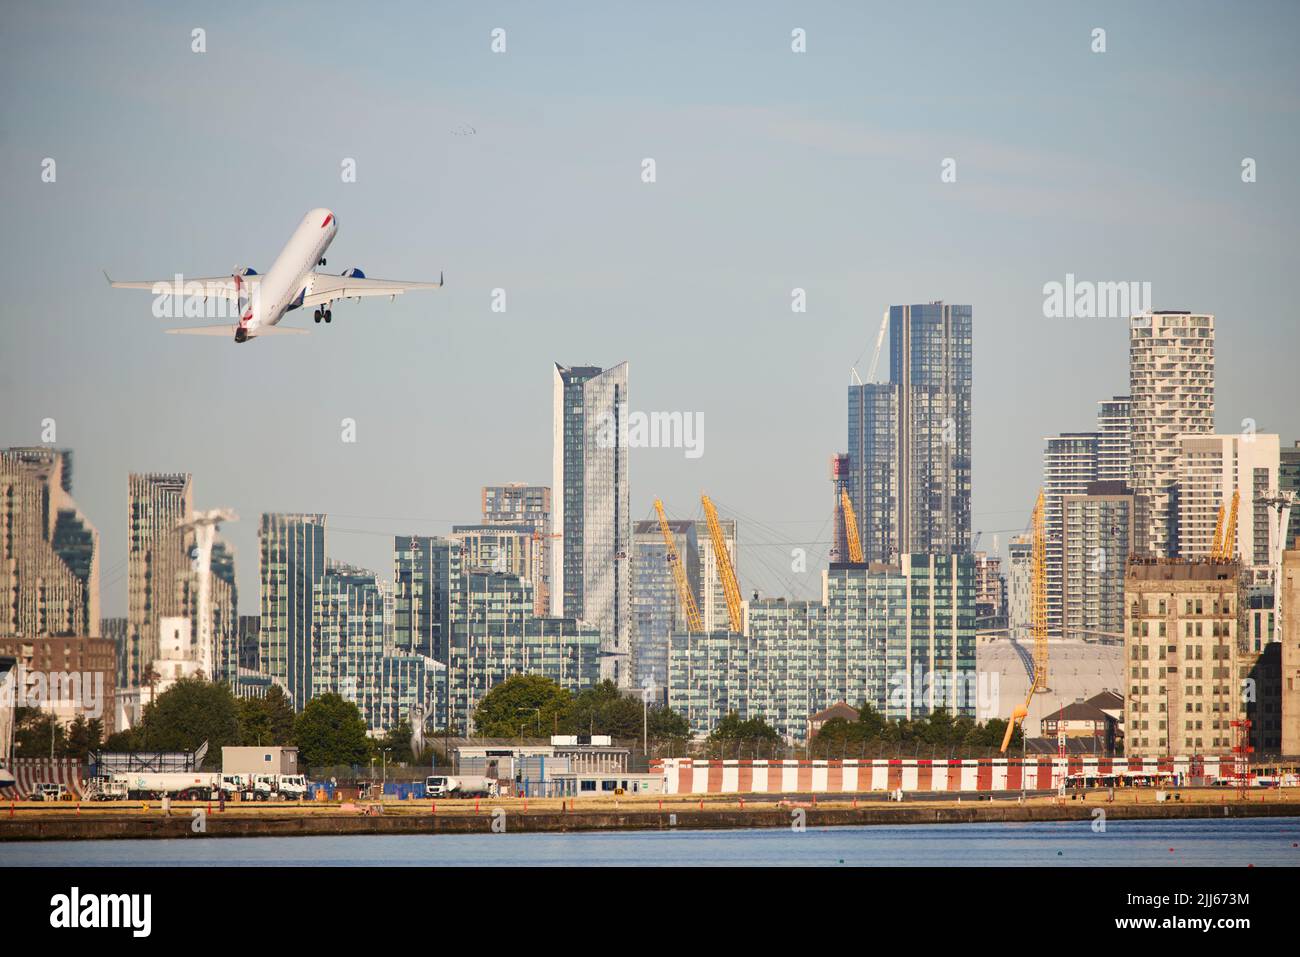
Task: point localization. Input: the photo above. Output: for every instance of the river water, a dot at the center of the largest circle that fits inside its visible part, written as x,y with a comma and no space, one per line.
1224,843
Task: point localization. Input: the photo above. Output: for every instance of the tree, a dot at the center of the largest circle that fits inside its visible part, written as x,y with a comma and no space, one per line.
731,728
524,705
188,713
397,741
665,724
84,737
604,709
268,720
36,734
127,739
330,731
938,731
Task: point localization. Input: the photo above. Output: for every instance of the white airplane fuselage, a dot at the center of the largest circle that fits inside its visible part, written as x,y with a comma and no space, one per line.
289,279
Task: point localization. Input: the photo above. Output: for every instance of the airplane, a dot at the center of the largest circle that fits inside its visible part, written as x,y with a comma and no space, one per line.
291,283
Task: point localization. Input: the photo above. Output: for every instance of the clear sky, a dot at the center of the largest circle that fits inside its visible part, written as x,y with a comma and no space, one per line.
775,170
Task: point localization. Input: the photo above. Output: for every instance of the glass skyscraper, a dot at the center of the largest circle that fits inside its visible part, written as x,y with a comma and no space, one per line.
427,594
292,565
591,577
910,439
656,608
49,552
157,553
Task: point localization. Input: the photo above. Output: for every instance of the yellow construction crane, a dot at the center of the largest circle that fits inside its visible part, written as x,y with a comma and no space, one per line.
1229,549
730,587
851,528
1038,590
1217,545
693,621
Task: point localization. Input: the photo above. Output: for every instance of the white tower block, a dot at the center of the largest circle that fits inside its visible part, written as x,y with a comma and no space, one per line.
205,525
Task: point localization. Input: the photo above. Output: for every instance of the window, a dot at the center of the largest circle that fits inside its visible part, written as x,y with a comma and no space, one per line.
588,785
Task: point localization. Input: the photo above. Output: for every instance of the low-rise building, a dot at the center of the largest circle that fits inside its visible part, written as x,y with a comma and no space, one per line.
839,709
277,759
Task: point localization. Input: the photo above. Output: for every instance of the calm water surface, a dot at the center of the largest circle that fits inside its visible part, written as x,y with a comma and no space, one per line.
1228,843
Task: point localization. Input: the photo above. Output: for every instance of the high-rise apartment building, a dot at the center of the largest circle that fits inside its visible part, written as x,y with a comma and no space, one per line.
515,549
910,440
873,467
930,363
1171,389
353,654
1182,658
900,637
657,611
520,505
1210,469
1097,530
1114,425
1069,467
990,592
1020,597
591,575
293,564
49,552
427,593
158,555
499,636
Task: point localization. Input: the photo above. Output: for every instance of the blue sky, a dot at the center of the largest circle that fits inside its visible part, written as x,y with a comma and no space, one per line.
775,170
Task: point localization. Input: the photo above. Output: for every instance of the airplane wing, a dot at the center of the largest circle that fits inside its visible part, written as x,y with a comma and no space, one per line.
226,329
326,288
221,287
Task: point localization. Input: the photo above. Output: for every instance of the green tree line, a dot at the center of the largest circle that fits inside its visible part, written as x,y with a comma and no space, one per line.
328,732
532,706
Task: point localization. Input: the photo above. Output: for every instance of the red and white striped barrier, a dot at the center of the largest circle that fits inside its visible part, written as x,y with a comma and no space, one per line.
690,776
29,772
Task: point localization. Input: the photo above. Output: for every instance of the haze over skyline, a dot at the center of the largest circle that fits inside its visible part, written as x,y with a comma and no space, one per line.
775,171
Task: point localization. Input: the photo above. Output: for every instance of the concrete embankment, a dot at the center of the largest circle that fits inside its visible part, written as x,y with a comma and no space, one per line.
186,823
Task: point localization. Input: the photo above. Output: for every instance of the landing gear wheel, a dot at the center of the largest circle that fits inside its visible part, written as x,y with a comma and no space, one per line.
316,315
328,315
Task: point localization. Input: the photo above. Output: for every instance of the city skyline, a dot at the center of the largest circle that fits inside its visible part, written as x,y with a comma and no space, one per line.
677,277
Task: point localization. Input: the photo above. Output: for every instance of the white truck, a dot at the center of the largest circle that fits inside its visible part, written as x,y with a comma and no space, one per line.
292,787
263,787
182,785
50,791
462,786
